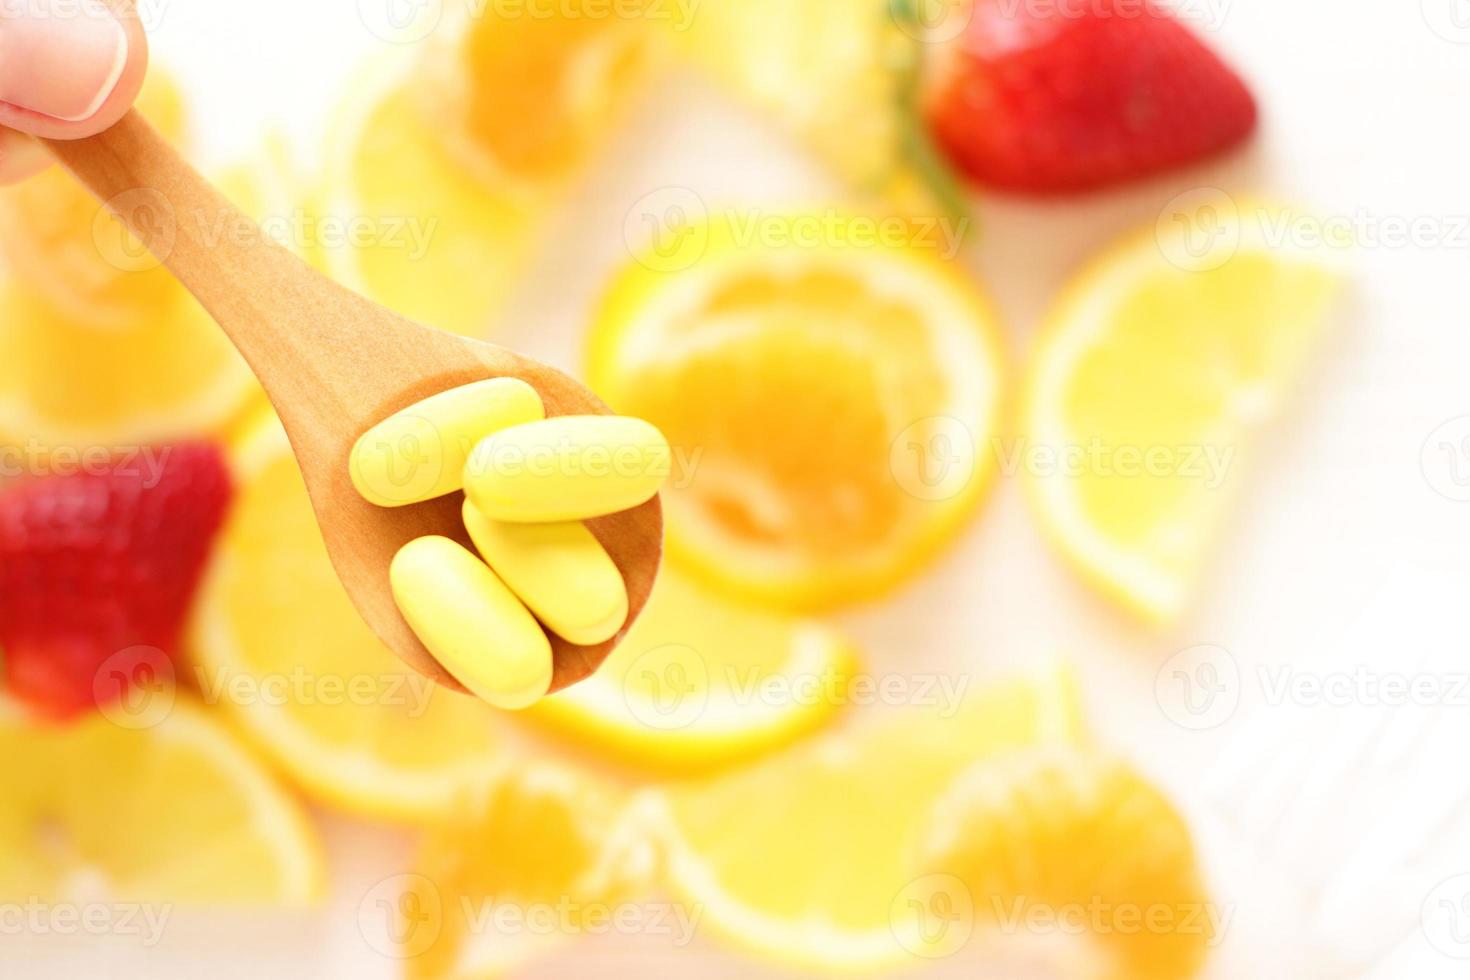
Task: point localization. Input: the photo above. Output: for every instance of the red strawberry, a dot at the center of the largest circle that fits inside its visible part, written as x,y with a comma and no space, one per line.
1057,96
100,566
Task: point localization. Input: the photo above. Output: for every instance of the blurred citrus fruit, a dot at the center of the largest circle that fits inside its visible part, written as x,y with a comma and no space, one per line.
1075,863
177,812
841,76
516,869
699,683
278,641
102,346
831,397
444,169
804,857
58,239
1155,369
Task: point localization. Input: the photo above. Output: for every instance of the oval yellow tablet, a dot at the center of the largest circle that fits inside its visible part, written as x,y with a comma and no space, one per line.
560,571
471,622
567,469
420,452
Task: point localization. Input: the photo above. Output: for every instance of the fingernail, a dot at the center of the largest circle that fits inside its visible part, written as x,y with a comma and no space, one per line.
61,58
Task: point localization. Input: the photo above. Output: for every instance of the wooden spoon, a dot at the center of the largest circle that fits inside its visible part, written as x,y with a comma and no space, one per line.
334,364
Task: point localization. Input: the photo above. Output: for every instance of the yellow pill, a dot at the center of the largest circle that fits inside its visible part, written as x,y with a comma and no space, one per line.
420,452
559,570
471,622
567,468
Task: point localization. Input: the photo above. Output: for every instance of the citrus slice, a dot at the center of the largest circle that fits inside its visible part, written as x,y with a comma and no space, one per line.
700,683
830,397
102,346
1156,368
1073,864
278,642
841,77
444,170
804,857
58,239
175,812
540,852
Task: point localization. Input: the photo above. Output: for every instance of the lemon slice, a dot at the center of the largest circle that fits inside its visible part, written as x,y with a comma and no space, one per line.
444,169
102,345
1074,864
175,812
58,239
700,683
808,857
544,846
278,642
1156,368
831,405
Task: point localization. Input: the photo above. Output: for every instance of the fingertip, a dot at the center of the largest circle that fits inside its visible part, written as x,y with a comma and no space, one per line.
120,94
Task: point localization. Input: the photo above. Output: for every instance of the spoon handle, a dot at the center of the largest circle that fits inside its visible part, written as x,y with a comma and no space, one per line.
279,312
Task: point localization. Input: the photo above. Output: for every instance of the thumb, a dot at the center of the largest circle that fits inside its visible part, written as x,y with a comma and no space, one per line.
68,68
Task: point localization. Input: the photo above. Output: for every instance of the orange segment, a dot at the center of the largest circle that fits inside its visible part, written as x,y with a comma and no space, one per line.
831,406
1073,862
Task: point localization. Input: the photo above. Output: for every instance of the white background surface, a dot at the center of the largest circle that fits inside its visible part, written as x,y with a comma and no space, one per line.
1347,546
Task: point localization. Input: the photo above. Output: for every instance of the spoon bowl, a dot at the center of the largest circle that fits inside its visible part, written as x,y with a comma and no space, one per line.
333,364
